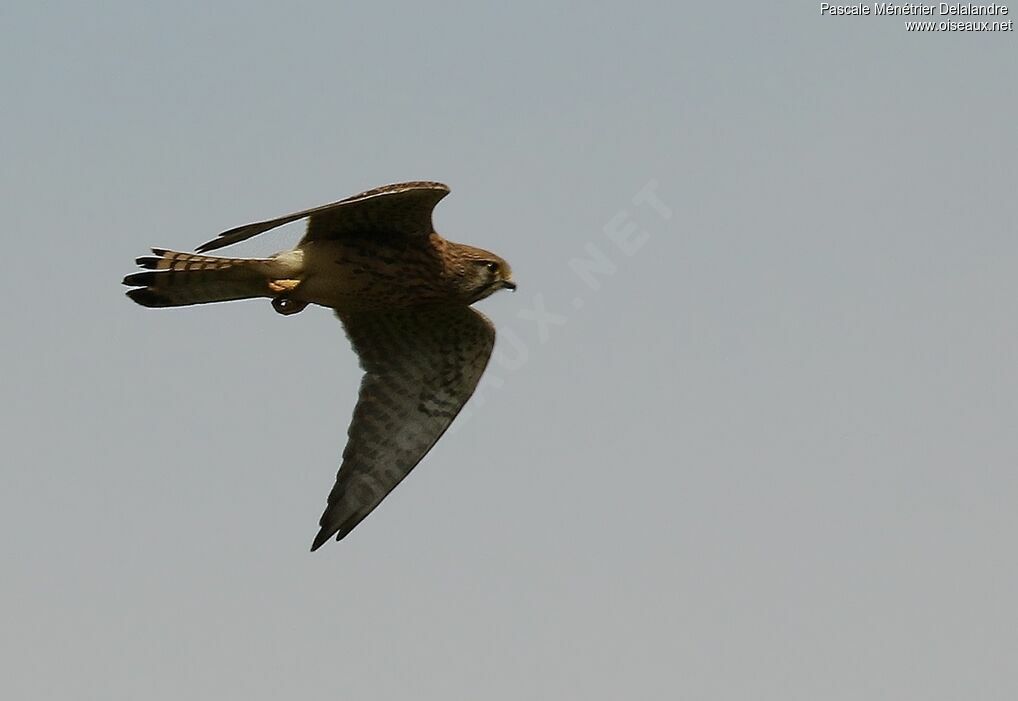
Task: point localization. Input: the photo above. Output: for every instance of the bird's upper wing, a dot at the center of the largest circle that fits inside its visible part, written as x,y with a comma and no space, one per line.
402,209
420,367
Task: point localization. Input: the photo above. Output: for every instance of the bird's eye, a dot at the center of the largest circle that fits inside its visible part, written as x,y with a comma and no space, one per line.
492,266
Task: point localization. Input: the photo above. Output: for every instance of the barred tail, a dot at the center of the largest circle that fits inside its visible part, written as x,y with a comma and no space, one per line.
178,279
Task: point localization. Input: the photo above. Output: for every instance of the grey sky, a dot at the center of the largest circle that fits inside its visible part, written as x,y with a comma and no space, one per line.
771,456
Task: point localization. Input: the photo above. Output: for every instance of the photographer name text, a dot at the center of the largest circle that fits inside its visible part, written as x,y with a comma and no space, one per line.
942,9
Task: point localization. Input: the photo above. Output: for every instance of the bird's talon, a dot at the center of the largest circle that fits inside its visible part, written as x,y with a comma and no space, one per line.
287,305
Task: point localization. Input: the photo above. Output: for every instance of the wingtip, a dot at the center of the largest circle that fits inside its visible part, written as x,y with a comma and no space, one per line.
217,242
325,534
142,279
320,539
147,297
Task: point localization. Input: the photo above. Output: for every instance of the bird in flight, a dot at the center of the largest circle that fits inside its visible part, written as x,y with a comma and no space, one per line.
403,294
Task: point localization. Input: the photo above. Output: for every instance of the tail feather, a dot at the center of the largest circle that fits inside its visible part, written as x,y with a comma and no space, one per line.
173,279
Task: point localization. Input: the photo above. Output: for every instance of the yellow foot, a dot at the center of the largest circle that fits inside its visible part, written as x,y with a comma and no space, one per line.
283,285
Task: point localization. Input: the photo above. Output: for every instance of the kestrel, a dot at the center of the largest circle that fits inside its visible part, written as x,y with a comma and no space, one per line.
403,294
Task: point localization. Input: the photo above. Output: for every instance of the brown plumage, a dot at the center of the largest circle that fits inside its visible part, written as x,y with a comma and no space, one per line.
402,293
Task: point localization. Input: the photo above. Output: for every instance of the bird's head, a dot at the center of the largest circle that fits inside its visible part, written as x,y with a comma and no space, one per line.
478,273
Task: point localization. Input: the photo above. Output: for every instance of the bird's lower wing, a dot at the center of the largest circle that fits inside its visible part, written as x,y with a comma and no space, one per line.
420,367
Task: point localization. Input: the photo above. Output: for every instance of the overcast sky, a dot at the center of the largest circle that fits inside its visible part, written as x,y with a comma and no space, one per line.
748,435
